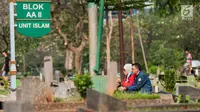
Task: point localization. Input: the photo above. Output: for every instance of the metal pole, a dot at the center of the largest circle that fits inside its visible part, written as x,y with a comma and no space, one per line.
92,16
100,30
121,42
12,46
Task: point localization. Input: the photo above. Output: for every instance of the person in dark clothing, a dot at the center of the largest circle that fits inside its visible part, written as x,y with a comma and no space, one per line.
142,82
5,69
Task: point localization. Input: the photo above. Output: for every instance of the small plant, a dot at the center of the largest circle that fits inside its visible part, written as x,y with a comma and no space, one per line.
178,100
5,82
183,99
169,80
82,83
58,99
187,99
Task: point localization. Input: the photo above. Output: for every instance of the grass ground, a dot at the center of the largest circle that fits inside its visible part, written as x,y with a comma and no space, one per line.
132,96
18,82
4,92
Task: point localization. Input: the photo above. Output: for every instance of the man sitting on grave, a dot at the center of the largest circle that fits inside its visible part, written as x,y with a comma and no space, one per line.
142,82
128,77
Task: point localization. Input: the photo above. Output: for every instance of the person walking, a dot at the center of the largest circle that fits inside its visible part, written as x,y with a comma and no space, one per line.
5,69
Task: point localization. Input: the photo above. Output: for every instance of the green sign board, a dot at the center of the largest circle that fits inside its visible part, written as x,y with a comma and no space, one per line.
33,18
33,28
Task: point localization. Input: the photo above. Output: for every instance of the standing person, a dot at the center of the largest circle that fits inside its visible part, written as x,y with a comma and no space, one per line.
188,60
5,69
142,82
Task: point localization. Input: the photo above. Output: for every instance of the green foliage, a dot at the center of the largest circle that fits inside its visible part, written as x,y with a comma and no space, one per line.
82,83
132,96
187,98
4,92
183,99
58,99
178,100
5,82
169,80
18,82
153,69
167,57
63,71
165,8
27,74
125,5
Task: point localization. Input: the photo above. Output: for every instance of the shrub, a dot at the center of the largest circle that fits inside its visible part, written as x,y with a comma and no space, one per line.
169,80
153,69
82,83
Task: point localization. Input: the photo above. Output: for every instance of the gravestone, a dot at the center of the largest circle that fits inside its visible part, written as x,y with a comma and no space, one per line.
48,73
17,106
104,103
57,76
99,83
167,97
193,92
32,90
191,80
41,74
65,89
62,91
112,78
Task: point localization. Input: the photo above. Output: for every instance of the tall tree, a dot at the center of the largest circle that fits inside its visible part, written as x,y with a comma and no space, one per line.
4,25
73,36
109,31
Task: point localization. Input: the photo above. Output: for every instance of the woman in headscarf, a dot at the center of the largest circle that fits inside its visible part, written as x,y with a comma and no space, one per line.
128,76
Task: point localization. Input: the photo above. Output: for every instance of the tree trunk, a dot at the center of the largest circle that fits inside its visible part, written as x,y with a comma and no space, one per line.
24,63
92,17
121,43
132,36
108,39
108,54
68,59
145,61
78,62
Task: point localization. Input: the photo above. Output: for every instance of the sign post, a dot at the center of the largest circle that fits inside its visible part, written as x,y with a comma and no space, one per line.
33,18
12,46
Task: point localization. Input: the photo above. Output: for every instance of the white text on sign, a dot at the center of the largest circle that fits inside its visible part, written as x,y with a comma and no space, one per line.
34,25
33,7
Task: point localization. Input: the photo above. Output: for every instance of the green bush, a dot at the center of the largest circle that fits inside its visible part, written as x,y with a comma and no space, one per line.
169,80
153,69
82,83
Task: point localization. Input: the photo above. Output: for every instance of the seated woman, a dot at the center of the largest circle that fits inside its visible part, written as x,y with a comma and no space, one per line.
128,76
142,82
